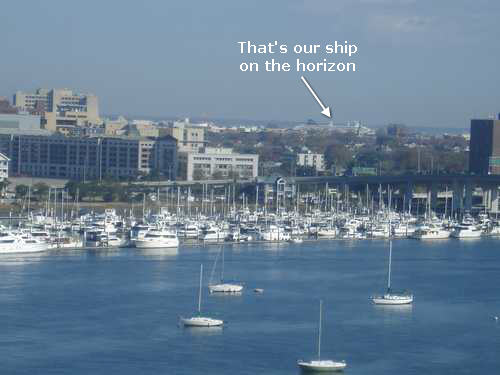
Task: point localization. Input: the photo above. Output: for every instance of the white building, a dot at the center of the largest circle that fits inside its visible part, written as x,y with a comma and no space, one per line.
309,159
4,167
219,161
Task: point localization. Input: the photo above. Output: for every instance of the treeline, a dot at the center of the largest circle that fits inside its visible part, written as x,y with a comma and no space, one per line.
106,191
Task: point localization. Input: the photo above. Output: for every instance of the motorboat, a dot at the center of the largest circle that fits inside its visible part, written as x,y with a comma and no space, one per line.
212,234
275,233
16,243
466,229
157,238
431,232
326,232
189,231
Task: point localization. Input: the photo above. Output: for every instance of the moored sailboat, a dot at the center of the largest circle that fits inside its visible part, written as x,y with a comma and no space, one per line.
390,297
321,365
199,320
224,287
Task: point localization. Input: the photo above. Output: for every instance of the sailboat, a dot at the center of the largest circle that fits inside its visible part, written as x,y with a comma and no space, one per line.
224,287
321,365
390,297
199,320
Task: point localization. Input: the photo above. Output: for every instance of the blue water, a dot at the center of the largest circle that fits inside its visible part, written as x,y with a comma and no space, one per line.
115,312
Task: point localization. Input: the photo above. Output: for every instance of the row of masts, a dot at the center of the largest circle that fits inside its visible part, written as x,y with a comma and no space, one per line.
60,205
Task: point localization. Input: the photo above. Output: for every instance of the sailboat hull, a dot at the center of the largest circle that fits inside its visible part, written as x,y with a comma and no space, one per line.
321,366
225,288
392,300
200,321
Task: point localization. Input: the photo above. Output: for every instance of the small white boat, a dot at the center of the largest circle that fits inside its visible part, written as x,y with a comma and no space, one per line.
466,230
296,240
212,234
198,320
326,232
275,233
15,243
157,238
390,297
319,365
258,290
431,232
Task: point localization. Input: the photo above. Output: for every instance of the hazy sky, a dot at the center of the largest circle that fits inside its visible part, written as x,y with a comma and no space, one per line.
421,62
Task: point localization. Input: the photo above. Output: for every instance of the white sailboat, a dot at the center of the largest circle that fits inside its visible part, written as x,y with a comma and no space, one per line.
224,287
390,297
321,365
199,320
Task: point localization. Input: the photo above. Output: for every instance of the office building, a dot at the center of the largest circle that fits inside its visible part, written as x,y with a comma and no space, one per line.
190,137
218,163
484,156
58,156
311,160
61,109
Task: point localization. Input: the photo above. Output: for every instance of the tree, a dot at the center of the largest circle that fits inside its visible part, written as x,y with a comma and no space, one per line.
40,190
198,174
233,175
338,155
111,193
3,185
72,187
306,171
217,175
22,191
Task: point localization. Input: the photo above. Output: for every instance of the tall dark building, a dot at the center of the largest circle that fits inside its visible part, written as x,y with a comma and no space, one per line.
484,156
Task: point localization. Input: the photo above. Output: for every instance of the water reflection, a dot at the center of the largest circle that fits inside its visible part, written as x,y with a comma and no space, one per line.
396,309
226,295
159,253
104,252
21,259
203,331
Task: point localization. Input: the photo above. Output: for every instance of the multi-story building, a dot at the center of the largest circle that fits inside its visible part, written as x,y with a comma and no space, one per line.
190,137
89,157
14,123
484,156
4,167
218,162
309,159
60,108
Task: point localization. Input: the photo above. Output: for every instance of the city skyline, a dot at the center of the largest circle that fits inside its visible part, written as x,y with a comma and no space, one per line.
420,63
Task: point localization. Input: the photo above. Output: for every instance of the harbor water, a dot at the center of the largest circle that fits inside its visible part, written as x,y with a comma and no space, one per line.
96,311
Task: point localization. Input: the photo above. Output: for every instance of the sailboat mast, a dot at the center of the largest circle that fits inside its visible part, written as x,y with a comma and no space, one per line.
319,328
390,263
199,293
222,268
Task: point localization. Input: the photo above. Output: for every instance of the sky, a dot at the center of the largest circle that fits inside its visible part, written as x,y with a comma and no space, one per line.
419,62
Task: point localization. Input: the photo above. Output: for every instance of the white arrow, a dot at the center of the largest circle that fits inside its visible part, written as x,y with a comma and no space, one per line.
325,110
